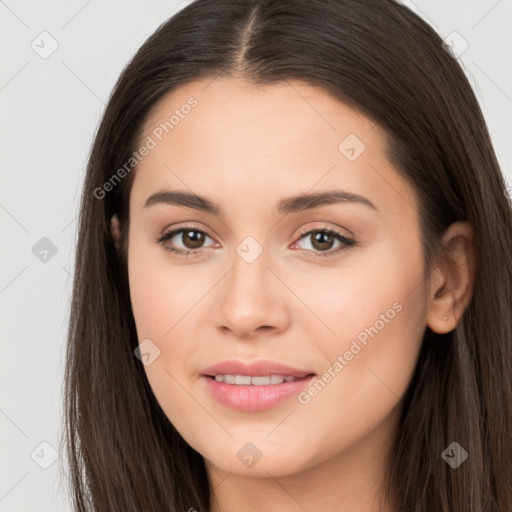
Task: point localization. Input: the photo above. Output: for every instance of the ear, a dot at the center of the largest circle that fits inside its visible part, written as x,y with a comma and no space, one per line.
116,234
451,282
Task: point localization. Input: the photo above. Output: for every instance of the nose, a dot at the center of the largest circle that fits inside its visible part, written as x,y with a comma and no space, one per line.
252,299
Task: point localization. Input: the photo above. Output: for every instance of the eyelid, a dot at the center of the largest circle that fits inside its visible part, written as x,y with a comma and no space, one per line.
324,227
346,240
303,231
180,227
171,232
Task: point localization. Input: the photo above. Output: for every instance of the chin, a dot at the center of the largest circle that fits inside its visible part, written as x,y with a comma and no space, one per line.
258,457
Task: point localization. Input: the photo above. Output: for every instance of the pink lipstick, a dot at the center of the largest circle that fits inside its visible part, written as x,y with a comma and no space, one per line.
254,386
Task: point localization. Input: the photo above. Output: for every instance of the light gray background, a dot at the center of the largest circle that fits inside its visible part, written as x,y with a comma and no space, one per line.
49,110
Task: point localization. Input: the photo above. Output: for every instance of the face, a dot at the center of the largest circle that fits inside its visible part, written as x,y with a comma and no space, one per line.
330,285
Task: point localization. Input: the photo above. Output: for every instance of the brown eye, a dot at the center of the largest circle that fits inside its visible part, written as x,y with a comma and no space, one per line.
192,239
322,240
184,241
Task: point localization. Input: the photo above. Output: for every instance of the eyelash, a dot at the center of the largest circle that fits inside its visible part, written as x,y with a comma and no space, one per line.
348,242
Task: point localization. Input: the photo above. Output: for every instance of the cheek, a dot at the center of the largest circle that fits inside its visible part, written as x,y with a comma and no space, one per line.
378,328
372,322
166,299
161,292
371,294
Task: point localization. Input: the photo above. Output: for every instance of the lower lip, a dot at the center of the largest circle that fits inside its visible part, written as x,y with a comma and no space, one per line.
254,398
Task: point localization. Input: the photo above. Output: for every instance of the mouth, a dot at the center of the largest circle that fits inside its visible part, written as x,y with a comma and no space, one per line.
240,372
254,386
256,380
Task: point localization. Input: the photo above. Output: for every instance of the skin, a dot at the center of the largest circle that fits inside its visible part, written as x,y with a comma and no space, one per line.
246,148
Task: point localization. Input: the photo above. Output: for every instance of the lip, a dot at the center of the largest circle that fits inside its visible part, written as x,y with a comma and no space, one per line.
254,398
254,368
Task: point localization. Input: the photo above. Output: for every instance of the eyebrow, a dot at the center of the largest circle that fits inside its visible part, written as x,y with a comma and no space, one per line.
298,203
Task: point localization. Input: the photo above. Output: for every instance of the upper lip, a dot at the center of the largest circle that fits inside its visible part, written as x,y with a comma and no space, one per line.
254,368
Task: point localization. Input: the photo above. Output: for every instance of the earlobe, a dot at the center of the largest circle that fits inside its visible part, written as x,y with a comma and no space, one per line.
452,281
116,234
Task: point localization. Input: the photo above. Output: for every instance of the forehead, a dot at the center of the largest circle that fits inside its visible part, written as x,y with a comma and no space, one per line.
230,136
288,108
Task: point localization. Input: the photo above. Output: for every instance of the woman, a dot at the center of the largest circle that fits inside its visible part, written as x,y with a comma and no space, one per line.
293,273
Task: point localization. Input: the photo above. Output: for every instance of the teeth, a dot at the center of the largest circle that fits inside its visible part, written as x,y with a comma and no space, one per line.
248,380
242,379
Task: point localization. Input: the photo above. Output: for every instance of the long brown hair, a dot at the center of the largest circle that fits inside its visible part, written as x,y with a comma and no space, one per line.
380,58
